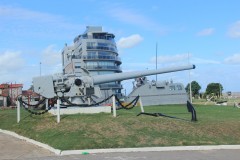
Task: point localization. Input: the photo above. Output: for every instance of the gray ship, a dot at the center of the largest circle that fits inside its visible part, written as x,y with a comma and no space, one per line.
158,93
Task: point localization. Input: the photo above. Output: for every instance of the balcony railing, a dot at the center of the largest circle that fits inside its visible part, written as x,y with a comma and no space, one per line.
102,57
104,67
98,37
102,48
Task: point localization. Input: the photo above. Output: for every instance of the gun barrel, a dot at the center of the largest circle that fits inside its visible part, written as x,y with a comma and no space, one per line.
99,79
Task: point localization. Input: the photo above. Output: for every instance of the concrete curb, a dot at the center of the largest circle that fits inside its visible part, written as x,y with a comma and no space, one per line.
115,150
45,146
151,149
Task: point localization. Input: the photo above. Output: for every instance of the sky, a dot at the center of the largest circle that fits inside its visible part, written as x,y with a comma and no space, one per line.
200,32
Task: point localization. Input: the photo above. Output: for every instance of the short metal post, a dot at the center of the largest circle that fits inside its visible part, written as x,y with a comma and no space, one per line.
58,110
89,101
141,105
114,106
46,104
18,111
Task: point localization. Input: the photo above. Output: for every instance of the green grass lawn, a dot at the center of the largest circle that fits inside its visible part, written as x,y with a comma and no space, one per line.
216,125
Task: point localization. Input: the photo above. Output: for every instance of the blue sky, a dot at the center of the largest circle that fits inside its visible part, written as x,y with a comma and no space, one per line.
208,31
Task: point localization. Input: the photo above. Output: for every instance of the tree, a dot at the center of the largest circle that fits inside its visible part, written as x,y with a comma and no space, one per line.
31,88
214,88
195,87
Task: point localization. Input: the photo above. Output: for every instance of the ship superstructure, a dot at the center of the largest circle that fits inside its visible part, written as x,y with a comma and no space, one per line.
158,93
95,51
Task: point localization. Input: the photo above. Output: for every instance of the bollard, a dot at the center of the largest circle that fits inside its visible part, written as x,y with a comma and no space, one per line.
141,105
58,110
46,104
18,111
114,106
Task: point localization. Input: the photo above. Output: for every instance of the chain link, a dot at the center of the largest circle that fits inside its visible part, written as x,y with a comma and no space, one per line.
26,106
70,104
134,102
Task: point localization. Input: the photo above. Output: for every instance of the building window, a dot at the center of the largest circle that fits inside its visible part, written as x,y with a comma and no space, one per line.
179,87
91,55
106,55
91,64
172,88
106,63
91,45
102,44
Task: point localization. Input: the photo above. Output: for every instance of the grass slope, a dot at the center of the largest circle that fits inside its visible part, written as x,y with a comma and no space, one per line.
216,125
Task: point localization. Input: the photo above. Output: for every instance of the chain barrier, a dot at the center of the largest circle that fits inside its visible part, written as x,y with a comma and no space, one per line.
34,105
160,114
134,102
70,104
24,104
236,105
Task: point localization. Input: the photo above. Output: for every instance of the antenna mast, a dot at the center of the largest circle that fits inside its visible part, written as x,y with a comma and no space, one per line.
190,83
156,59
40,68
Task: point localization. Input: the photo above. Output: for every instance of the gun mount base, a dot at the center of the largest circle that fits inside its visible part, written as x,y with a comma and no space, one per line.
81,110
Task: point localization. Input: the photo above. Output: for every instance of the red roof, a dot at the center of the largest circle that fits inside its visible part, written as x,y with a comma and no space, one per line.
29,92
15,85
3,86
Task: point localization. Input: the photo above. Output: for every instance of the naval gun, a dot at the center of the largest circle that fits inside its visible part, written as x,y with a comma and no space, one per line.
81,89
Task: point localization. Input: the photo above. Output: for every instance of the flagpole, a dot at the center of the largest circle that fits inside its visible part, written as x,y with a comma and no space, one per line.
190,83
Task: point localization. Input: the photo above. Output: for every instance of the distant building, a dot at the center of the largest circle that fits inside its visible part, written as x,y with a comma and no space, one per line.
95,51
30,95
232,94
9,93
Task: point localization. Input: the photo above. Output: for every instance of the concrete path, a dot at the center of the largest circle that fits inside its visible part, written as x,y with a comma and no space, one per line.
12,148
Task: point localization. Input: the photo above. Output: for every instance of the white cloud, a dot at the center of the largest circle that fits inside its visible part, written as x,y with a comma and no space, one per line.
51,55
133,17
170,58
234,30
24,22
20,68
11,61
130,41
181,59
13,67
133,66
206,32
204,61
25,14
234,59
51,59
